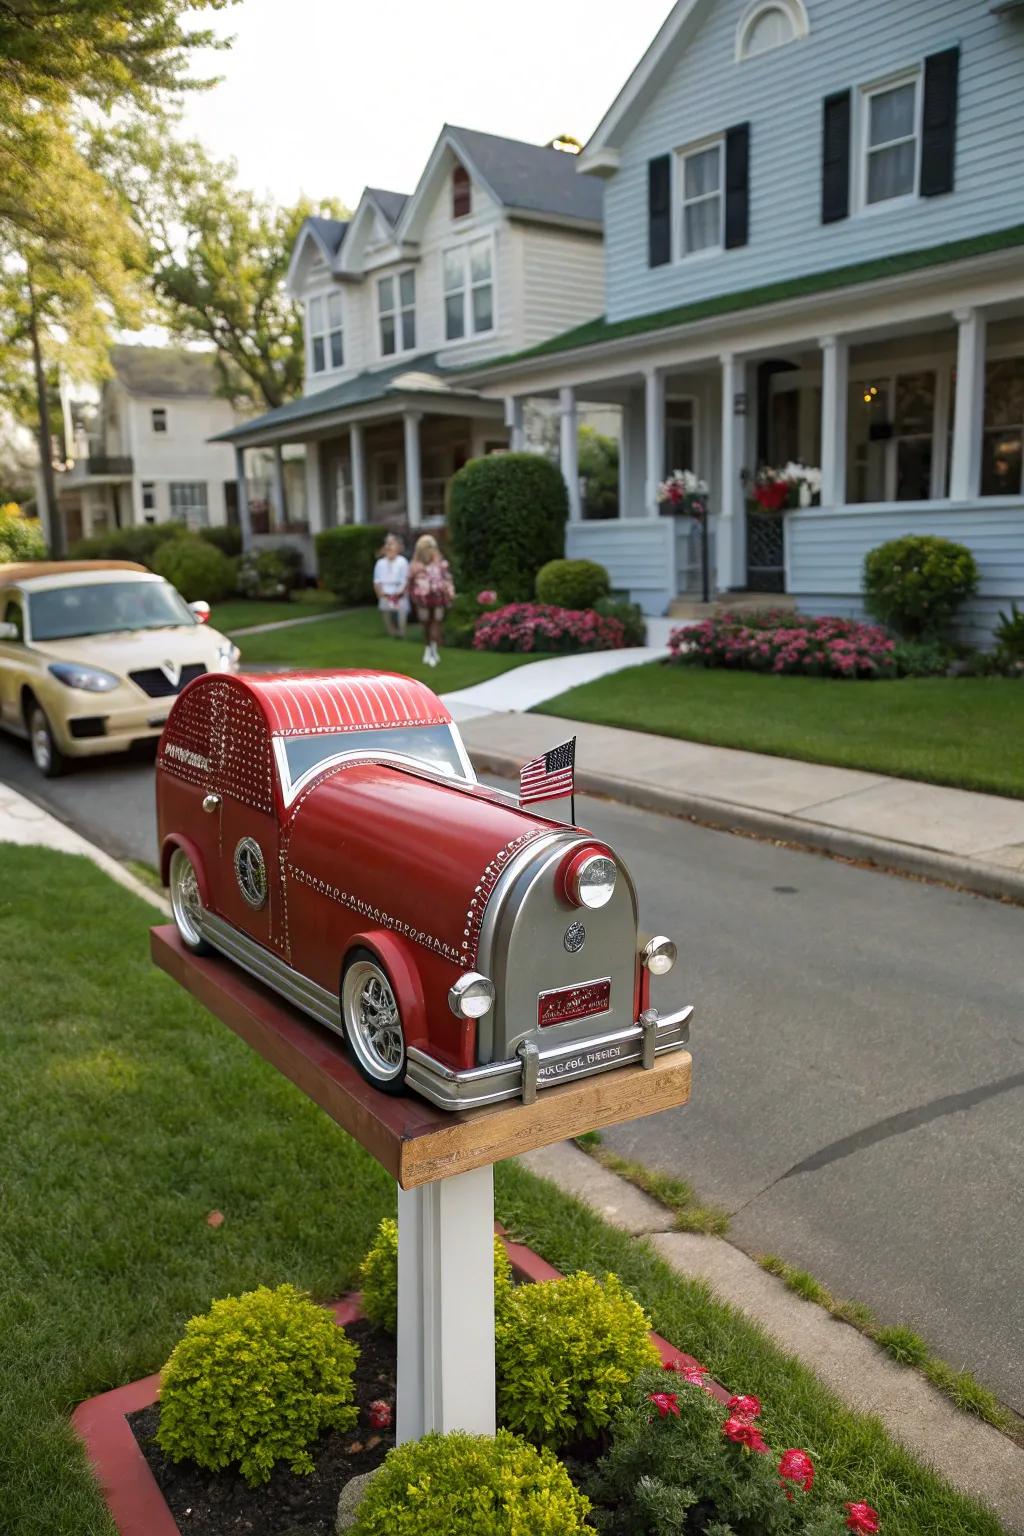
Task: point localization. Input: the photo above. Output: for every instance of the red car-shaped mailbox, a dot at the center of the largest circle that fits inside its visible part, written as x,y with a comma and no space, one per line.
326,832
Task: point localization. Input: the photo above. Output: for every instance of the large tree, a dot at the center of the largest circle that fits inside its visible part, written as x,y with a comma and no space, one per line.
217,256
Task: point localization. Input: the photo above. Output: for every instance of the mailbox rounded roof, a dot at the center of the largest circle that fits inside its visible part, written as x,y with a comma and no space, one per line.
352,699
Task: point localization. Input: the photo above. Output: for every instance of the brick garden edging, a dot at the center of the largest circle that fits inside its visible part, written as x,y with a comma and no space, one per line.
132,1494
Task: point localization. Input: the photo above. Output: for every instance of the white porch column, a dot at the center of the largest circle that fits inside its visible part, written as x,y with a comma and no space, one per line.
413,478
314,487
514,422
569,454
244,520
730,528
280,498
969,407
654,436
446,1307
835,394
357,451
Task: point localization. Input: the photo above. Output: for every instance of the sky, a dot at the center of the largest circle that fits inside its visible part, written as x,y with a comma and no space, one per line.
324,97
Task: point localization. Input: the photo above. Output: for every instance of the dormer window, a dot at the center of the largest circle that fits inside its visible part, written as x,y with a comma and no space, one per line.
469,290
326,337
396,305
462,194
769,24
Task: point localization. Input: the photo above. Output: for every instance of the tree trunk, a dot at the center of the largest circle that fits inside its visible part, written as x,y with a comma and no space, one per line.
54,525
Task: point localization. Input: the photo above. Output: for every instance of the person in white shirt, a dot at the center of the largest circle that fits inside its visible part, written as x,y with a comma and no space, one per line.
390,581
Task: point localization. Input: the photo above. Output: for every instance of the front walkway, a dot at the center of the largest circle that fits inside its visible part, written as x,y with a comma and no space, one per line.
525,687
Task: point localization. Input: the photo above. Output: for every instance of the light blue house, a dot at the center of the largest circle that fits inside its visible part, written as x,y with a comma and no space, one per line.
814,251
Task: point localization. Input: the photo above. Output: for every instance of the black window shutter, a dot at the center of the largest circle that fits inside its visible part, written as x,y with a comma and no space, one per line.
659,211
737,186
938,122
835,158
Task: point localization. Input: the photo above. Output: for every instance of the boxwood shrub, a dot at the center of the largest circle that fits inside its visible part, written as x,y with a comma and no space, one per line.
254,1381
225,536
378,1276
916,584
139,543
471,1485
346,557
572,583
196,568
507,516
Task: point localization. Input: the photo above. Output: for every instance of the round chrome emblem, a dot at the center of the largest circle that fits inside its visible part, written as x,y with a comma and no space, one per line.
251,872
575,937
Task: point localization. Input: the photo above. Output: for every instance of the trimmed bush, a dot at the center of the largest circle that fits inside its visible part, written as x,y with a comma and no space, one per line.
196,569
471,1485
916,584
507,516
254,1381
536,627
141,543
572,583
566,1353
346,557
378,1276
224,537
268,572
21,537
629,615
922,658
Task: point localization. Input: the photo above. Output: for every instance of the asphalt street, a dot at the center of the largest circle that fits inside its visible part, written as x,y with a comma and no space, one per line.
858,1050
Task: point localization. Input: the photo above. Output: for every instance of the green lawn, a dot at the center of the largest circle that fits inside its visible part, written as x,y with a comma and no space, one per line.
127,1114
239,612
357,639
961,731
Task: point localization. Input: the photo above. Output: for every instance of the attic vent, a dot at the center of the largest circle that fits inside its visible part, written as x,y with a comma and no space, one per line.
462,195
764,26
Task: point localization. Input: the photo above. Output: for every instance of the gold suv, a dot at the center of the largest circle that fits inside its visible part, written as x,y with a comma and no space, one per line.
93,654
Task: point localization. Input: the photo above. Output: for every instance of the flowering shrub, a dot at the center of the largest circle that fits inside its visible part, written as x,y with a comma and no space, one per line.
539,627
676,1450
802,647
685,493
780,490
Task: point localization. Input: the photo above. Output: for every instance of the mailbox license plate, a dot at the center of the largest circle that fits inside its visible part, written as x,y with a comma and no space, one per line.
579,1002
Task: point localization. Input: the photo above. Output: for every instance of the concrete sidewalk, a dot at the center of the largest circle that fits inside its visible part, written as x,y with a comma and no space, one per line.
954,835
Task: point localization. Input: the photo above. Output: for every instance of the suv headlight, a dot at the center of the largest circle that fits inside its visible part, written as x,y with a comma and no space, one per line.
227,657
91,679
472,996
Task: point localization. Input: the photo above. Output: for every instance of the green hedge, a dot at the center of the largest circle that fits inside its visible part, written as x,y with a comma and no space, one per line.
225,537
507,516
196,569
346,557
572,583
139,543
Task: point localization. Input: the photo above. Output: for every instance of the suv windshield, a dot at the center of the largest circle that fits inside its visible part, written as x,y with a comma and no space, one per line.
104,608
432,745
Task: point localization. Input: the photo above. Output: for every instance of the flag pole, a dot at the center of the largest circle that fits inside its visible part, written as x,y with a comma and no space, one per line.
572,793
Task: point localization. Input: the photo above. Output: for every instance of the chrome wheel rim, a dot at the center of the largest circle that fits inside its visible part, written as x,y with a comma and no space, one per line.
186,904
372,1024
42,748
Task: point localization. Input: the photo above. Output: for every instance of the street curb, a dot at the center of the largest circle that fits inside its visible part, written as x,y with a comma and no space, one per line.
730,816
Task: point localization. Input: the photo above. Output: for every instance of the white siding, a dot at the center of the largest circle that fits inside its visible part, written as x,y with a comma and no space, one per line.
182,453
638,554
561,278
851,43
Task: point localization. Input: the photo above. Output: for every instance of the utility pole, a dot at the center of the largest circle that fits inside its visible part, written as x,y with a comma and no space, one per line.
54,526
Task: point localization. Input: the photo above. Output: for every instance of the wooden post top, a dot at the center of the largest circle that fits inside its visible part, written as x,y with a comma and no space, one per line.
412,1140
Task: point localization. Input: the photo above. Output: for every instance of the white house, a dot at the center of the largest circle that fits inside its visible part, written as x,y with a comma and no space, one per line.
499,247
144,454
814,227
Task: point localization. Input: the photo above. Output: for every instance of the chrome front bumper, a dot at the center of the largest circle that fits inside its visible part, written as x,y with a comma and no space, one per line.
533,1067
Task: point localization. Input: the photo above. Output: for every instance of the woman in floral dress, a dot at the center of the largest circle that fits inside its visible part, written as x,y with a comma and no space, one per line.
432,593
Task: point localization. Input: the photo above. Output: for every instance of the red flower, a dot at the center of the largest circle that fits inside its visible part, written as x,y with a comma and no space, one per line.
742,1432
862,1518
745,1407
379,1414
692,1374
665,1402
796,1467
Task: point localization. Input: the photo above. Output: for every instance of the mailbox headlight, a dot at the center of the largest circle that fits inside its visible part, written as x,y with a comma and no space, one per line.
659,955
472,996
590,879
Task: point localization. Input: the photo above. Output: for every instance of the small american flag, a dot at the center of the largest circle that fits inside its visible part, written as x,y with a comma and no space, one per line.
549,777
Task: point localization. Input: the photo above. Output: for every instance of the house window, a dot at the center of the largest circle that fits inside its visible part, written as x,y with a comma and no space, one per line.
188,503
891,141
388,477
1002,446
680,444
326,339
700,181
469,290
148,496
396,303
763,27
158,418
462,195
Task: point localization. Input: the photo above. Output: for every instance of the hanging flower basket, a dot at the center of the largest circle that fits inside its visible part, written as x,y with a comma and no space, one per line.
683,494
783,490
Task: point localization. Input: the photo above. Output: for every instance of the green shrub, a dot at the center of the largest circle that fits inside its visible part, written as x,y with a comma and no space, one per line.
471,1485
225,537
630,616
21,538
141,543
196,569
566,1353
1009,633
254,1381
572,583
269,572
507,517
922,658
346,557
916,584
378,1276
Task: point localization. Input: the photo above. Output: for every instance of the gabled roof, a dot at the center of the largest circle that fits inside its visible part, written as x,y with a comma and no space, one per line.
329,232
391,204
162,371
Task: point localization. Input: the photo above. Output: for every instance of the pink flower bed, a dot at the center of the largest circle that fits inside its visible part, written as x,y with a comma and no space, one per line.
777,641
542,627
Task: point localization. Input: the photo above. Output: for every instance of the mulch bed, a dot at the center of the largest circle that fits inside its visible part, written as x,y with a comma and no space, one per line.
221,1503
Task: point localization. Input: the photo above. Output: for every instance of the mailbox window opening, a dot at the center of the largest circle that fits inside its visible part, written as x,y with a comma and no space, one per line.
433,746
